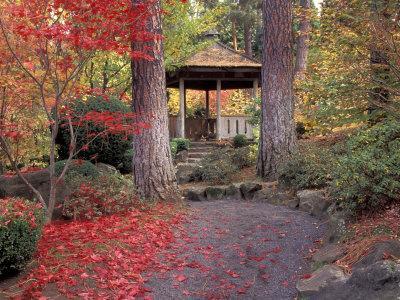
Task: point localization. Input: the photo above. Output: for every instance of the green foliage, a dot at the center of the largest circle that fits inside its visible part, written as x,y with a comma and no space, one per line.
244,157
82,168
21,223
181,144
174,148
184,29
310,168
368,174
106,195
219,167
216,167
126,167
108,149
253,109
239,140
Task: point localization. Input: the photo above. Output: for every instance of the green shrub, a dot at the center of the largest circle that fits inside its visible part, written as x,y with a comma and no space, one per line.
82,168
174,148
181,144
239,140
309,168
108,149
244,157
368,174
219,166
126,165
106,195
21,223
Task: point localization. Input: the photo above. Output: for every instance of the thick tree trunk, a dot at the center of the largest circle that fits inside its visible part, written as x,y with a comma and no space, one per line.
277,135
248,49
303,39
153,171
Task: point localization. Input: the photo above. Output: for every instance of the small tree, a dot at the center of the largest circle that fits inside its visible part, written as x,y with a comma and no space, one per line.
48,43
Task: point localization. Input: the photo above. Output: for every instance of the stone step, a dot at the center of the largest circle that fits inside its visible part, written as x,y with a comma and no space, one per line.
197,154
202,144
201,149
194,160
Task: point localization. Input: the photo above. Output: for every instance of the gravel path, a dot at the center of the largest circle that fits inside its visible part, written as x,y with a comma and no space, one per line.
238,250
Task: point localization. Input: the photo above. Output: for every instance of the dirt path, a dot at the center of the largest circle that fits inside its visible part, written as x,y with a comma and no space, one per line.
238,250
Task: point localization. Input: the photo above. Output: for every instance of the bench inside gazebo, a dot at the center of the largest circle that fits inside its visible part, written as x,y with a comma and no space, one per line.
216,68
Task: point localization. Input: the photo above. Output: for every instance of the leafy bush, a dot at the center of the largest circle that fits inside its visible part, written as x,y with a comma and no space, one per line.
21,223
108,149
220,166
239,140
310,168
174,148
126,166
300,129
181,144
214,169
83,168
244,157
107,195
368,175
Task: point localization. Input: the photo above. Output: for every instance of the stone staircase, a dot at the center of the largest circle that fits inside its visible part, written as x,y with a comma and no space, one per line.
198,150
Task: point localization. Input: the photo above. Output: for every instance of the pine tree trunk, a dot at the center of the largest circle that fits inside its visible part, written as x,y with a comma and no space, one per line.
380,65
248,49
234,35
303,39
277,135
153,171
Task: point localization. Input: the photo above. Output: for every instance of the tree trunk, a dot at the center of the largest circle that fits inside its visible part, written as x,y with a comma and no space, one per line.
380,65
277,134
153,172
248,49
234,35
303,39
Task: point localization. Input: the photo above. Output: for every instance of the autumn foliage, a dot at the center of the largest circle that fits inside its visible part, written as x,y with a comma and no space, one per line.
103,259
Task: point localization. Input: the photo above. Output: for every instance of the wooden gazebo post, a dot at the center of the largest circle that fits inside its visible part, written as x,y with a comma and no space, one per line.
219,110
181,118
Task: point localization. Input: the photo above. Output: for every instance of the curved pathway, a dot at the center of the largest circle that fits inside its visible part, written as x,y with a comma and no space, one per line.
238,250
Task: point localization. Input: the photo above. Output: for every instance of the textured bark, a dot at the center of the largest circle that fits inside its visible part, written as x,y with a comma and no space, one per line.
277,134
303,39
380,65
153,171
234,35
248,48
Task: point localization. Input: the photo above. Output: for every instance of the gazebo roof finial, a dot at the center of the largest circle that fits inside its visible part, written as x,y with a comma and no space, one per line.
212,34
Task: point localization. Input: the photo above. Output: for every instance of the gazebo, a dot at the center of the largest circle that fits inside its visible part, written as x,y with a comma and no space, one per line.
215,68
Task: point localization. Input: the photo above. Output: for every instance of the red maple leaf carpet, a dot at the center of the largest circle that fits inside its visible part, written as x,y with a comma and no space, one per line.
213,250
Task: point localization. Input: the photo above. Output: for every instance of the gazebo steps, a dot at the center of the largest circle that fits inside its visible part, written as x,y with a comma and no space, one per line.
197,154
201,149
194,160
202,144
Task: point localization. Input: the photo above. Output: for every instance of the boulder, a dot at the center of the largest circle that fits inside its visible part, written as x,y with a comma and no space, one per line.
184,173
214,193
13,186
195,194
248,189
319,280
233,192
381,275
379,252
105,169
328,254
276,197
314,202
182,157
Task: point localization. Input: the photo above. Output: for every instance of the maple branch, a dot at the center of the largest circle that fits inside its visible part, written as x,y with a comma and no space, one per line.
7,151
